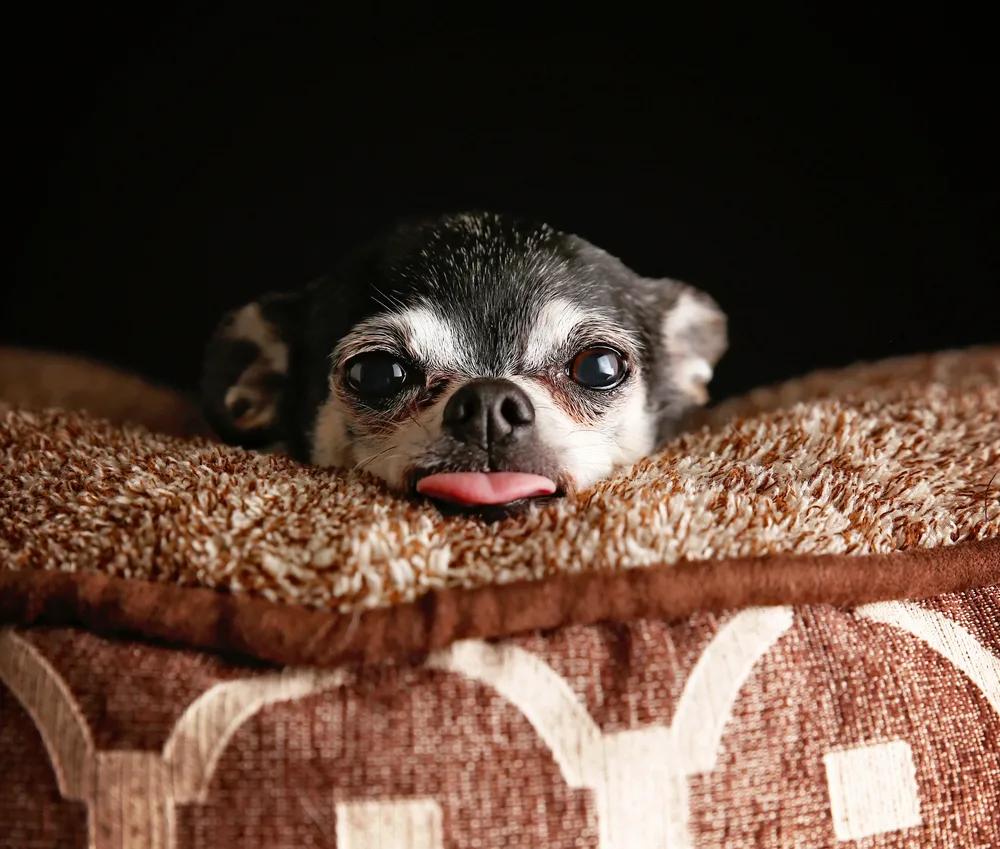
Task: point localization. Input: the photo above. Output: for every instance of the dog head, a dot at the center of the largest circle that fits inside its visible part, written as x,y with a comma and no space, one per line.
475,359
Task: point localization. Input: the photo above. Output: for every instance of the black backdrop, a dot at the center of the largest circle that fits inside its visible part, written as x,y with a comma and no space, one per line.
836,193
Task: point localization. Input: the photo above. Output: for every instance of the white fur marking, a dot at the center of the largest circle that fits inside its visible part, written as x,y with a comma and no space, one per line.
694,369
431,339
250,325
552,328
409,442
589,453
586,453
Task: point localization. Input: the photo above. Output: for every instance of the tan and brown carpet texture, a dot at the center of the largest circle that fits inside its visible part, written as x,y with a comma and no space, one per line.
782,630
774,500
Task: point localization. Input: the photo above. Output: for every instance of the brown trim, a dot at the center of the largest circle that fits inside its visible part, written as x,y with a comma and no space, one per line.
34,379
289,634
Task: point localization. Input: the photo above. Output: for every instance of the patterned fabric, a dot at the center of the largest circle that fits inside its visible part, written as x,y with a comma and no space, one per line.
772,727
609,717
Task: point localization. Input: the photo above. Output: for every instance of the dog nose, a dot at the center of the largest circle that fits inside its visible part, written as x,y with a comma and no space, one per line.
487,412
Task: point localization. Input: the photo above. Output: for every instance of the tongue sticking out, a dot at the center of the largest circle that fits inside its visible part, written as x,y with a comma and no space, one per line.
484,487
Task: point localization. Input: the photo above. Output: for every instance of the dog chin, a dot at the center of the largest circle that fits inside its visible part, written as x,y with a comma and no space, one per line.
491,513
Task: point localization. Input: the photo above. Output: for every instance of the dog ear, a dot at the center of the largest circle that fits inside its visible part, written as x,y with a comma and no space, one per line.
694,334
247,369
688,331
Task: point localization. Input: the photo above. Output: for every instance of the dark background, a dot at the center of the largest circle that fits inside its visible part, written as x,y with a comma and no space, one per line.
830,182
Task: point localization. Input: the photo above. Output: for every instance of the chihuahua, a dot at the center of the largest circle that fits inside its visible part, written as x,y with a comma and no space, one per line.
477,360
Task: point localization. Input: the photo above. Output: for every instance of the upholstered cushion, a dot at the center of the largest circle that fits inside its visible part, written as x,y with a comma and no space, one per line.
781,630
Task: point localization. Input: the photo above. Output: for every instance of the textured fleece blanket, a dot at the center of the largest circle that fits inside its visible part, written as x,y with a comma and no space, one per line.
847,487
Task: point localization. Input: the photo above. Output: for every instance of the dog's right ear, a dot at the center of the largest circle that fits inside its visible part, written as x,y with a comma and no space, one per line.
247,370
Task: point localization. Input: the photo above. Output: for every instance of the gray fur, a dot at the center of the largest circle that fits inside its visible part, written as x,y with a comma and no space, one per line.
489,275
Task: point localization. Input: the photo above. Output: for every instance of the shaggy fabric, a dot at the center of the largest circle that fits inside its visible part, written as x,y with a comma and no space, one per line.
890,467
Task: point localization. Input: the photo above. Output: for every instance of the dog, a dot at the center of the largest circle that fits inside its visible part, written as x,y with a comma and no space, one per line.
478,360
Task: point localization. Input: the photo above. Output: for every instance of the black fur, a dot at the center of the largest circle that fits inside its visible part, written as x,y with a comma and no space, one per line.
487,273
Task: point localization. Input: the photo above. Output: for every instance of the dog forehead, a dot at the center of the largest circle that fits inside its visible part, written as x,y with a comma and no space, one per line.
471,259
483,293
487,339
477,289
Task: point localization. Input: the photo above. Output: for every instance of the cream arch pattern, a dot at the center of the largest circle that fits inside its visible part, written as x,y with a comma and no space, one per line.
952,641
157,781
638,777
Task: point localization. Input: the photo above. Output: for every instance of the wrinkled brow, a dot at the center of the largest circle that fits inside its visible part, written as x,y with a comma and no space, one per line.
417,332
561,328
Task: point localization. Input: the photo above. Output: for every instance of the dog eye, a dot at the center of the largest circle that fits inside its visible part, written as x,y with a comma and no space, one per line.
598,368
376,375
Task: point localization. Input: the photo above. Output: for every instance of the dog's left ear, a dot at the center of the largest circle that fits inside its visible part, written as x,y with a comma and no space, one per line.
247,369
689,333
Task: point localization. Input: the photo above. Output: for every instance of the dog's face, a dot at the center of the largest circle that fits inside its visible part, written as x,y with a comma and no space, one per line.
474,359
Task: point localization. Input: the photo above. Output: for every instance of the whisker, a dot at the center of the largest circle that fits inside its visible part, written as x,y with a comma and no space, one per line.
419,424
371,459
384,457
393,303
603,436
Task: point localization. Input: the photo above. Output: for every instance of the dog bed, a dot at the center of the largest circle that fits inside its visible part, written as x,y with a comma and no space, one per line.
781,630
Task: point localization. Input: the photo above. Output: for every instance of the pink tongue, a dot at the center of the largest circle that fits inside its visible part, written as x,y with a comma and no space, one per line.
484,487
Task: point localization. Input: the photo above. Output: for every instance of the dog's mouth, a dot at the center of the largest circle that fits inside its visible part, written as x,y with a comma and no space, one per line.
484,489
491,495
